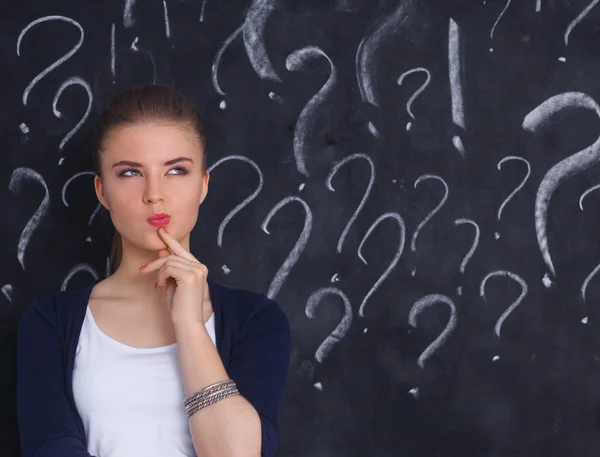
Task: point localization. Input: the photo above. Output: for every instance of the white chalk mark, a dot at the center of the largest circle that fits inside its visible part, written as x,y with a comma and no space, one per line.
246,201
77,269
219,57
426,302
394,261
274,96
564,169
254,40
516,303
419,90
112,52
167,25
332,173
591,276
519,187
134,48
469,254
295,253
591,189
17,178
456,73
499,17
366,62
202,11
7,291
307,121
373,130
413,243
24,128
60,61
64,193
577,19
342,328
538,6
458,144
128,20
587,280
70,81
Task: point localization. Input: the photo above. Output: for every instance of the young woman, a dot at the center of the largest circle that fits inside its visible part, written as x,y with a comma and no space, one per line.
157,359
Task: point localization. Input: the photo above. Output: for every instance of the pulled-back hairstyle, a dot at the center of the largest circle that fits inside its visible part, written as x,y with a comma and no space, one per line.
147,104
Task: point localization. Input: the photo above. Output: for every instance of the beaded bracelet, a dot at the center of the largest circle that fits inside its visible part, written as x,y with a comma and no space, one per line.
209,395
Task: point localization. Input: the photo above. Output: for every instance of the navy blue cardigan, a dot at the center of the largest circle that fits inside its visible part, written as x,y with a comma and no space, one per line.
252,337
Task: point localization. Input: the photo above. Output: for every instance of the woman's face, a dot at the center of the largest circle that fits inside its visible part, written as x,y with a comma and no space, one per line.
131,192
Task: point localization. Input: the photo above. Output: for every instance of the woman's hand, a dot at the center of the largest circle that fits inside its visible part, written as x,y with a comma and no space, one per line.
185,279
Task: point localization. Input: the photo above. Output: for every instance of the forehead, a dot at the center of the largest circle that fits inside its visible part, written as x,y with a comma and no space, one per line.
151,140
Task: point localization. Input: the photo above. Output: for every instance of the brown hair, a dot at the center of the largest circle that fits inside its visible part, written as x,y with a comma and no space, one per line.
145,104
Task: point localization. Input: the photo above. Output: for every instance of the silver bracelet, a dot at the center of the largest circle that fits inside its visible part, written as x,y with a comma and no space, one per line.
205,391
209,395
207,401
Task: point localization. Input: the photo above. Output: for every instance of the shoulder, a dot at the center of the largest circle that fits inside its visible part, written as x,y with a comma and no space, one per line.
50,307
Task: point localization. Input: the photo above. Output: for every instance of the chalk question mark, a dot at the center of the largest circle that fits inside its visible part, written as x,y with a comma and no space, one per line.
66,203
298,248
330,176
426,302
342,328
469,254
564,169
217,62
246,201
400,248
517,189
71,81
17,178
498,20
511,308
60,61
23,127
413,241
307,121
417,92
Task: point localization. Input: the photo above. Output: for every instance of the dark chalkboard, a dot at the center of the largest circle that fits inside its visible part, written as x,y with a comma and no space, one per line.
413,181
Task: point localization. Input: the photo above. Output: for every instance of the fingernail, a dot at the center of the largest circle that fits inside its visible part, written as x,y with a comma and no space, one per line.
143,267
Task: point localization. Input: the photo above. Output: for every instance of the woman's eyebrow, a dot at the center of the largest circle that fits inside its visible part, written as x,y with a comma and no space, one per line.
136,164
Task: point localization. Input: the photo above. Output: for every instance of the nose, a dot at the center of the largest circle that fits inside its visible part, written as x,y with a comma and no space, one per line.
153,190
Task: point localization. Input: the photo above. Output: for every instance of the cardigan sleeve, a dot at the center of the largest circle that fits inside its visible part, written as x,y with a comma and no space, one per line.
259,365
46,421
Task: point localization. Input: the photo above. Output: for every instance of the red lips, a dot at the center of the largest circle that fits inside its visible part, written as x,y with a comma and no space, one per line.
159,219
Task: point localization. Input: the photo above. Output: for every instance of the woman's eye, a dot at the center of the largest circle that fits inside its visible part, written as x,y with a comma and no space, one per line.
183,171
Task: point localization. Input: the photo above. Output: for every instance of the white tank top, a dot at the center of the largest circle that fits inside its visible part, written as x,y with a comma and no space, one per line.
131,399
